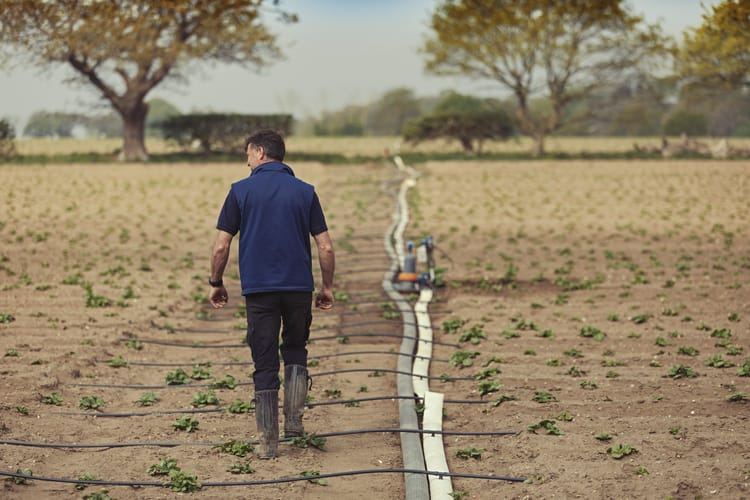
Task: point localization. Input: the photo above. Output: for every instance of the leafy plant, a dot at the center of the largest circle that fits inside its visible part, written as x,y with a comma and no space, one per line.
90,403
26,473
93,300
546,424
543,397
6,318
744,370
240,468
311,474
86,476
453,325
687,350
718,361
178,377
503,398
134,344
462,358
641,471
147,399
474,334
737,396
237,448
475,453
487,386
681,371
228,382
593,332
98,495
240,406
308,440
486,373
163,467
621,450
603,436
52,399
187,424
201,399
117,362
573,353
201,373
183,482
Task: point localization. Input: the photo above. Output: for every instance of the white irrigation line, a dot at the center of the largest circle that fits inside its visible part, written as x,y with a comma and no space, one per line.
432,451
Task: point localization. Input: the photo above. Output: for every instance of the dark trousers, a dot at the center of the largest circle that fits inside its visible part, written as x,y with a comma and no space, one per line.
265,314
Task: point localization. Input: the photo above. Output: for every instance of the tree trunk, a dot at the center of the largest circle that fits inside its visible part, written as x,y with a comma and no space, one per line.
134,126
538,148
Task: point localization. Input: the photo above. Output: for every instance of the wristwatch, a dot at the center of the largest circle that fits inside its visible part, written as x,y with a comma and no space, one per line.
215,284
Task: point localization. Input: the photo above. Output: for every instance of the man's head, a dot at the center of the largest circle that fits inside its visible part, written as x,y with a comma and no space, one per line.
264,146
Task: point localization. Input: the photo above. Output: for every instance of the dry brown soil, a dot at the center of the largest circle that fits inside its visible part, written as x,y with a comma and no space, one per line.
650,258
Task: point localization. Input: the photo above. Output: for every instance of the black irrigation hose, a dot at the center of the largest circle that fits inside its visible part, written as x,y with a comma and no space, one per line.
322,356
222,408
329,337
397,430
355,353
316,374
262,482
365,323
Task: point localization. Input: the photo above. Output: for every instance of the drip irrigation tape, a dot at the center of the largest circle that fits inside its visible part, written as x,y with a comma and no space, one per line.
262,482
368,334
355,353
388,370
222,408
363,323
156,444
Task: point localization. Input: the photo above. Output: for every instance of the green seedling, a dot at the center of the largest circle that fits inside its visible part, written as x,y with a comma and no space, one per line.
341,296
675,430
718,361
621,450
187,424
503,398
201,399
22,410
475,334
687,350
147,399
86,476
237,448
183,482
737,397
333,393
11,353
352,403
178,377
545,334
117,362
90,403
475,453
660,341
744,370
576,372
228,382
311,474
681,371
488,386
554,362
640,318
641,471
588,384
389,310
593,332
486,373
546,424
240,406
459,495
134,344
52,399
240,468
510,334
201,373
308,440
163,467
734,317
603,436
565,417
6,318
453,325
93,300
463,358
342,339
573,353
543,397
26,473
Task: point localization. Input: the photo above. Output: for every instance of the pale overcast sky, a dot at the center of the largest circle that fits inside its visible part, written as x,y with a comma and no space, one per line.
341,52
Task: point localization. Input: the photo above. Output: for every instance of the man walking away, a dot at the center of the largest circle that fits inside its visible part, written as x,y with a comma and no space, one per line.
275,214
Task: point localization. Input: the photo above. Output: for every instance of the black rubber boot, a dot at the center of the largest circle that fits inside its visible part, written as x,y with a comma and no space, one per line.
267,420
295,397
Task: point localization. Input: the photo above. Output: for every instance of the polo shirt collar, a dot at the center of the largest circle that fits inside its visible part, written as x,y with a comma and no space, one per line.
273,166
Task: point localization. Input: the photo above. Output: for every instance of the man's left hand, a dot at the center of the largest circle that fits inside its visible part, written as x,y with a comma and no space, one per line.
218,297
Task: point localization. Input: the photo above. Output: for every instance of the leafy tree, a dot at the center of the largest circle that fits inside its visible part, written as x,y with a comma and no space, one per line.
575,47
388,115
126,48
686,122
7,134
349,121
716,53
52,124
466,127
158,111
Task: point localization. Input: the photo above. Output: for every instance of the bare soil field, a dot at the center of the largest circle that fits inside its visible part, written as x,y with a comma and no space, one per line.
599,310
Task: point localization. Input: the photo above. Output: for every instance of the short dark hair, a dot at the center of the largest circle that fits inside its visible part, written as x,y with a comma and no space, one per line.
271,141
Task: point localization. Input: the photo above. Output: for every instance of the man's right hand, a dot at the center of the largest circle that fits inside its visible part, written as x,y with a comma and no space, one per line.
218,297
324,299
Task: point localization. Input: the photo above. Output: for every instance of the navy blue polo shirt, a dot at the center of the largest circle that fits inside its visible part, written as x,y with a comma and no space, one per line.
275,214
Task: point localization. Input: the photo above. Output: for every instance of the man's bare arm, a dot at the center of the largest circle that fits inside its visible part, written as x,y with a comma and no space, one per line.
327,260
218,296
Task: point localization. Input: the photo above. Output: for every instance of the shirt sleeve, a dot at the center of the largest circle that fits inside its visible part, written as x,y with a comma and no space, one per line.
229,217
317,219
